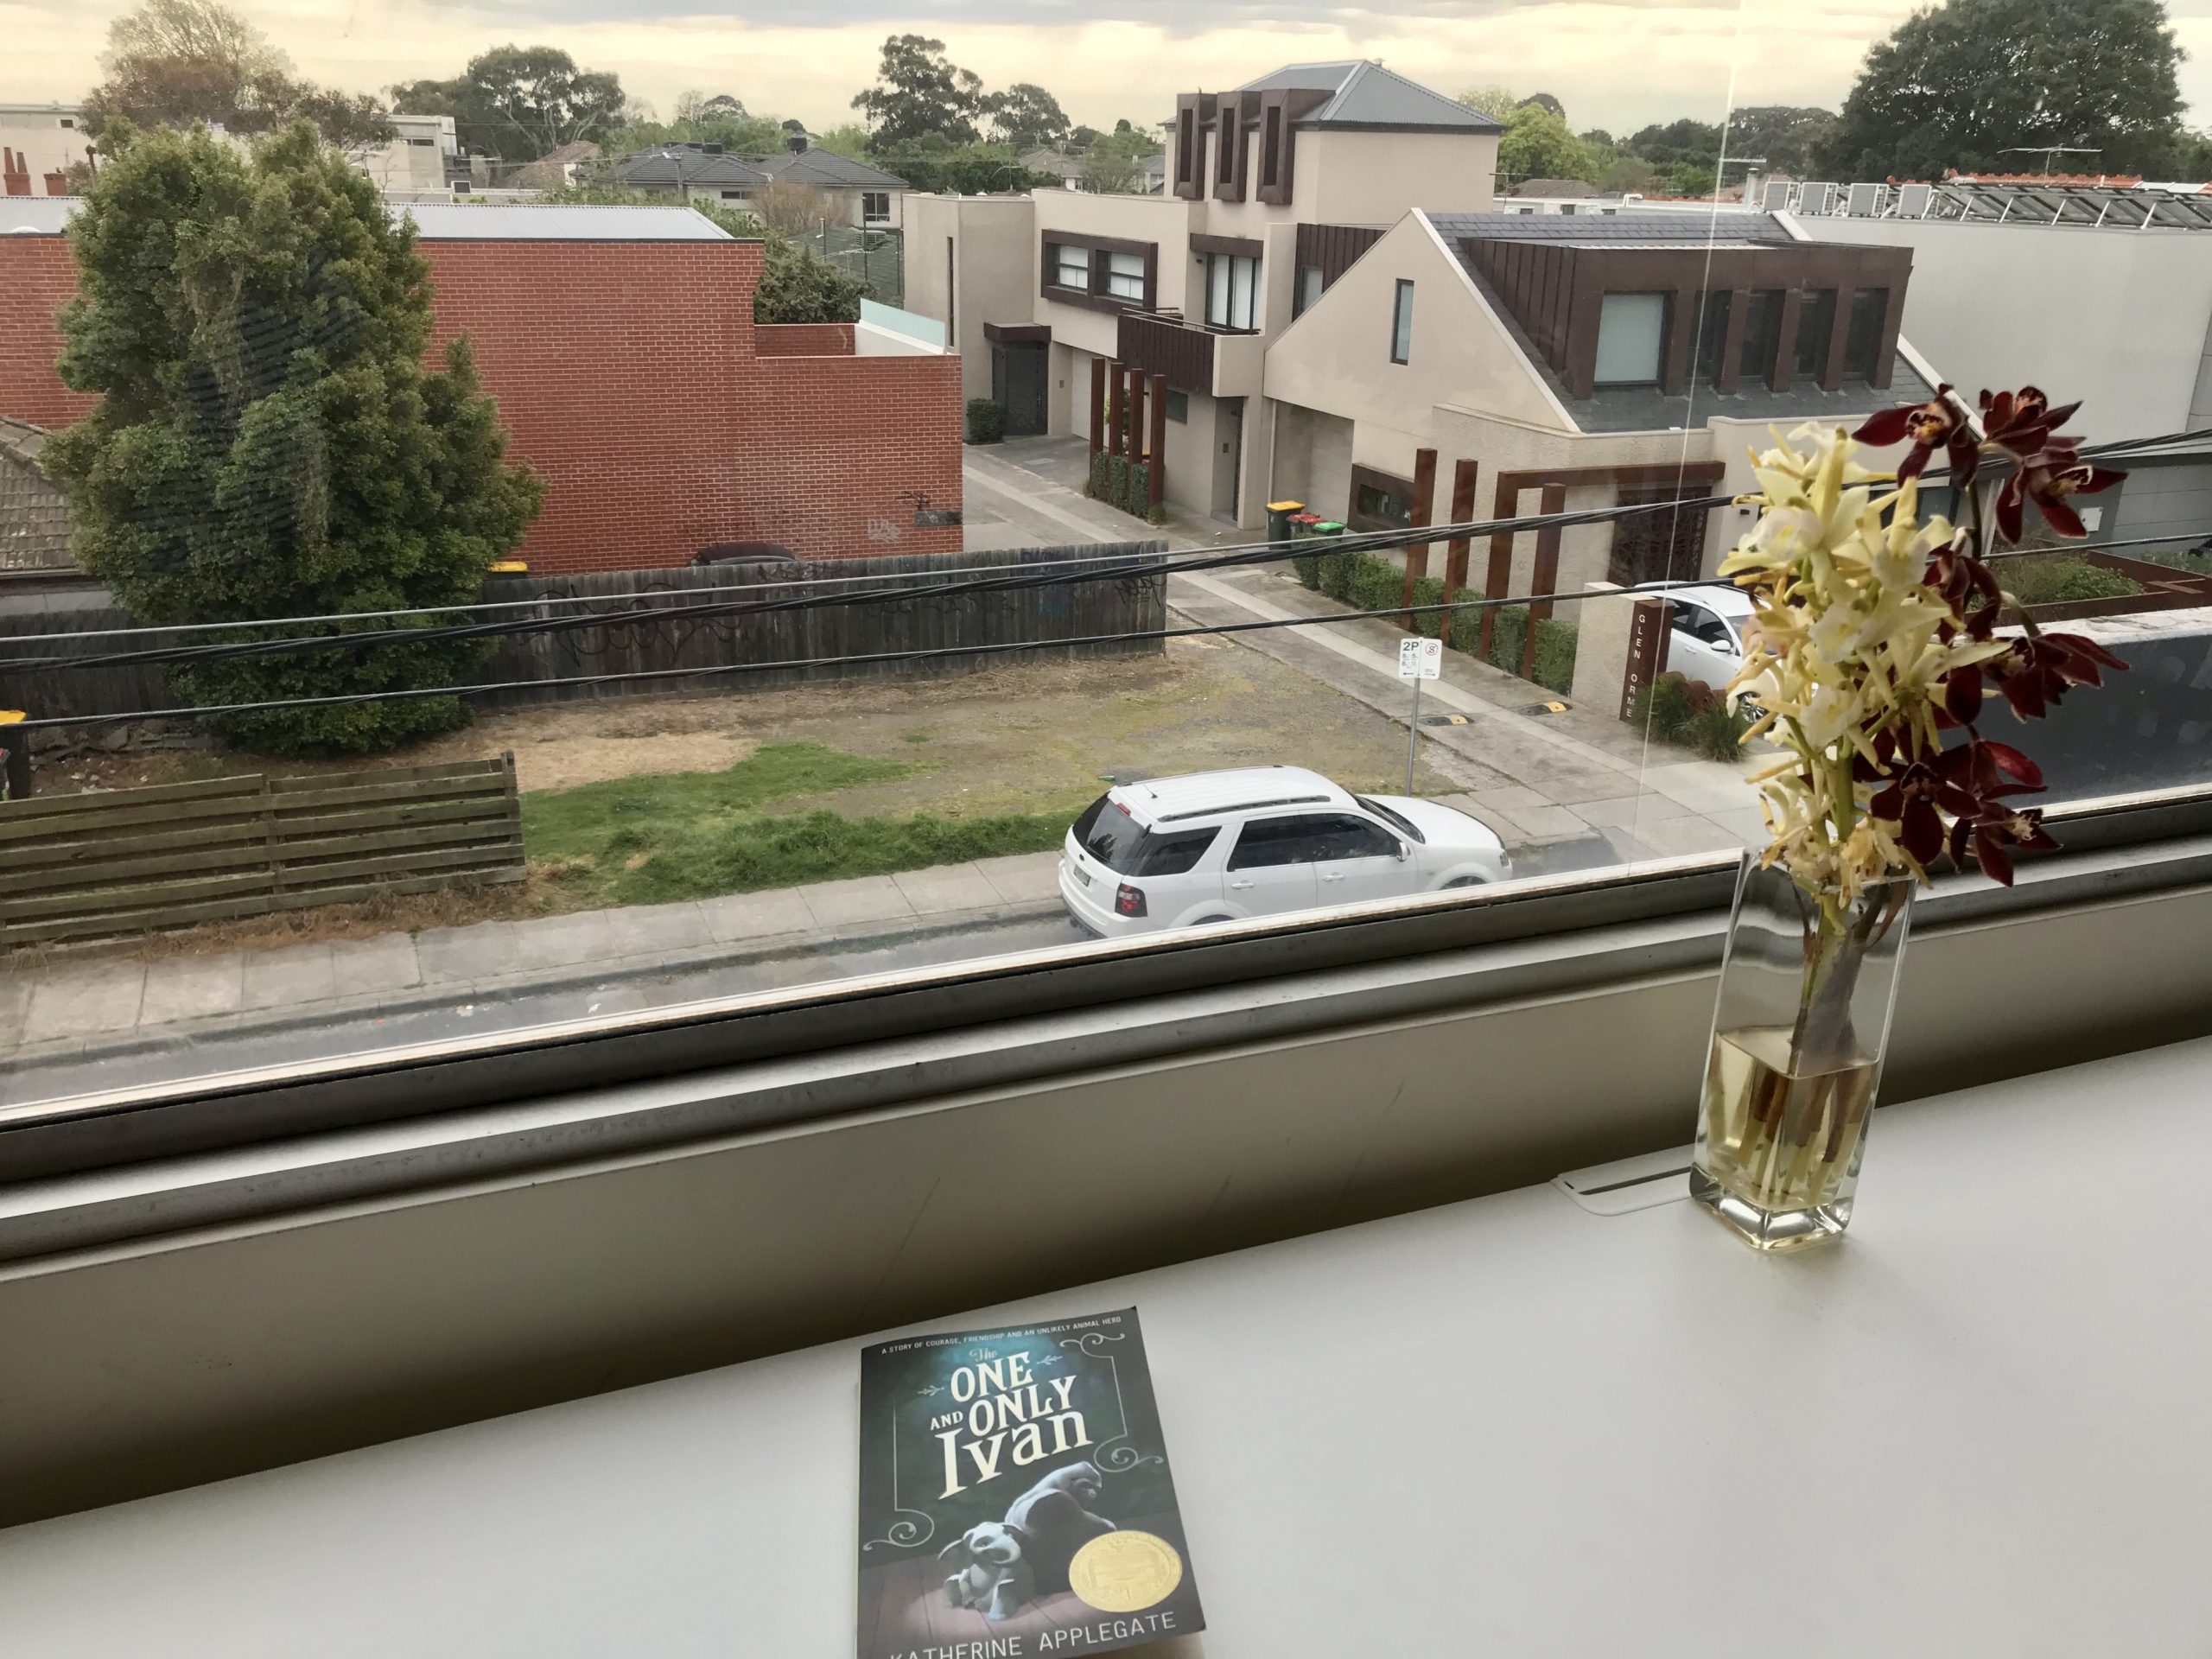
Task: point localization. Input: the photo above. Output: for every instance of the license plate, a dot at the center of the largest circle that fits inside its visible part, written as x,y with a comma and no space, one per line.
1081,874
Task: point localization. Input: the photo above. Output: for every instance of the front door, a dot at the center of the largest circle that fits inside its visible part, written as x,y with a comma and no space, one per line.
1227,452
1018,385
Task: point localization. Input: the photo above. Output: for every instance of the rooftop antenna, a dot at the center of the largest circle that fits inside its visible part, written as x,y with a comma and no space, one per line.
2050,151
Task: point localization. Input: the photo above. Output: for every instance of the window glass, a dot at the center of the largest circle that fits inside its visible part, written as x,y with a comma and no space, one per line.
1071,266
1398,821
1631,329
1267,843
1310,282
1815,327
1863,344
1701,624
1230,281
1762,335
1351,837
1401,323
1175,853
1179,406
1713,334
876,205
1125,276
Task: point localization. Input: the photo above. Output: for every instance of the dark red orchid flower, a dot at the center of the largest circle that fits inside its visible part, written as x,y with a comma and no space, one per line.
2021,423
2047,480
1969,782
1959,578
1991,837
2037,672
1937,424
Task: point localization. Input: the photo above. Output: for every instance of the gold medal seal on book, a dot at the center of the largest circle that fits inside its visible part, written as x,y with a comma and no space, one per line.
1125,1572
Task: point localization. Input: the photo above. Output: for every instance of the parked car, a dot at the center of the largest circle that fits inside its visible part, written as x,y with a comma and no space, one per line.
1705,635
1221,846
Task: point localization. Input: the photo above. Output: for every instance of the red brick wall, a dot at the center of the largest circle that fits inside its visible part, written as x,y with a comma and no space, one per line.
626,374
803,339
37,276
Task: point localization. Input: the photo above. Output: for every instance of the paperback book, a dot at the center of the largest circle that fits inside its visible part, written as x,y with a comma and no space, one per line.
1015,1497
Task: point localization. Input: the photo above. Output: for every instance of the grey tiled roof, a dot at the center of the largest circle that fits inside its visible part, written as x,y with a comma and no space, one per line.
34,513
668,167
826,166
1647,409
1368,96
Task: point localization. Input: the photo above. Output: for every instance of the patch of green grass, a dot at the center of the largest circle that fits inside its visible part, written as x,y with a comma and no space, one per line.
2064,579
693,835
913,737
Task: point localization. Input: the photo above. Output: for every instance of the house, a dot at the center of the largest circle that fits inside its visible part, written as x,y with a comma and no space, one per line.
859,195
424,157
39,144
33,512
557,169
693,172
1062,165
1272,190
1557,189
621,344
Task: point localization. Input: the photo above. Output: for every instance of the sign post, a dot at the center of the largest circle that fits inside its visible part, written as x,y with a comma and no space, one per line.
1647,652
1419,660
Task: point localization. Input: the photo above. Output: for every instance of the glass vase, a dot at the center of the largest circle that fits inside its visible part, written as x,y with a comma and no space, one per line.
1799,1029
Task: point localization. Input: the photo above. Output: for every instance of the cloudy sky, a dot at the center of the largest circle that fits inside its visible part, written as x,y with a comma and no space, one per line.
1615,64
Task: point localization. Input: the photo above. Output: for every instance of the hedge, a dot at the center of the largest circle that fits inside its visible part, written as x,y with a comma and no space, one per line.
1120,482
1367,583
986,419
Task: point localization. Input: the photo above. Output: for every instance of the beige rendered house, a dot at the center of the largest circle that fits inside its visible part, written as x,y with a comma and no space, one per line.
1273,189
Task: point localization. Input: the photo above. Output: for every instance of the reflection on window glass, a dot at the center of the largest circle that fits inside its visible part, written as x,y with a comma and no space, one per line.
1125,276
1862,345
1713,334
1401,322
1071,266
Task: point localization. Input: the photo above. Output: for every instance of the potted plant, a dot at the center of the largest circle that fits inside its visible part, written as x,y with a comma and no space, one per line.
1872,644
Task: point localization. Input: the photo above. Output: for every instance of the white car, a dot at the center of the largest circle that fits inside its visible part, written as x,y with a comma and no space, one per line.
1704,633
1221,846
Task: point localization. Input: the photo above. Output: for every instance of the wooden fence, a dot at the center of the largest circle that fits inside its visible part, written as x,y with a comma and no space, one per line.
75,866
640,634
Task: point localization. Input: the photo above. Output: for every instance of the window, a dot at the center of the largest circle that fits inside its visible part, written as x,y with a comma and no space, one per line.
1762,334
1631,332
1125,277
1701,624
67,121
1070,265
1177,853
875,206
425,142
1179,406
1815,325
737,195
1271,147
1344,836
1311,281
1186,127
1863,340
1401,322
1379,501
1232,280
1713,334
1269,843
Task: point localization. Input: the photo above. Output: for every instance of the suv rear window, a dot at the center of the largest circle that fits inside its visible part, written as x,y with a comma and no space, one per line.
1127,848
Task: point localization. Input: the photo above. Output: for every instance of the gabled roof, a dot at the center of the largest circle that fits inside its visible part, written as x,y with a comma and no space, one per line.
33,512
826,166
1367,98
684,163
550,170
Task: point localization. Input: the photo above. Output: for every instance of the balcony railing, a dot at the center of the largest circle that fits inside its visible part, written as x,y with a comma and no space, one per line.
1167,343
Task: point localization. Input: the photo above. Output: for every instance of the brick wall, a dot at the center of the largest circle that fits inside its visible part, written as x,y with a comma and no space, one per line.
37,275
803,339
628,373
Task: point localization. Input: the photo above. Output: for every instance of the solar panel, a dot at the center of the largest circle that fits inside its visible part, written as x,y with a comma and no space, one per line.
1865,200
1913,199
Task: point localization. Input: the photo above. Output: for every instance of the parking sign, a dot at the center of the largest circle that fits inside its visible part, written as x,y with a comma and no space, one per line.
1420,659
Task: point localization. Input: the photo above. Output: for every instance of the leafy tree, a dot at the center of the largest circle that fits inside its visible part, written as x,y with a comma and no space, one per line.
1105,173
695,106
1787,135
786,205
1962,83
1083,137
935,164
1545,100
1631,174
268,441
1694,142
1497,102
797,285
519,102
740,135
1537,145
173,62
849,140
1129,139
1025,115
920,94
1598,139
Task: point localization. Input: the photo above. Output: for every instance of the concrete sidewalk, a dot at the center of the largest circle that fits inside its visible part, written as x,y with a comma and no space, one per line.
62,1010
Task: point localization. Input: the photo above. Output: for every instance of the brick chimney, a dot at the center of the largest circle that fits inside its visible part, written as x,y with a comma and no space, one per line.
15,172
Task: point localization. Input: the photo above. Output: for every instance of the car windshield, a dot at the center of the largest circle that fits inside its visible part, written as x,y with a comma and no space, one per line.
1398,821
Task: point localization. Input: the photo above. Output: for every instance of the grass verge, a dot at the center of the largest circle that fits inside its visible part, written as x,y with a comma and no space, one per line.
694,835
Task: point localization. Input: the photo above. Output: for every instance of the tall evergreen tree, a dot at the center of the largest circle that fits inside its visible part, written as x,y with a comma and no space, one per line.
268,441
1972,83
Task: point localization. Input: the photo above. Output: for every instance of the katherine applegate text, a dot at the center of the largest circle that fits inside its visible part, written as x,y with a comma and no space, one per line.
1069,1638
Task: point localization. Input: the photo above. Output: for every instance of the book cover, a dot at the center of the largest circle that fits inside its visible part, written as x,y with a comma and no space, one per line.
1015,1497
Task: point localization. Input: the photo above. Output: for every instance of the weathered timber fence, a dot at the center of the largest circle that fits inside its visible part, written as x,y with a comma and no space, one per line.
76,866
639,634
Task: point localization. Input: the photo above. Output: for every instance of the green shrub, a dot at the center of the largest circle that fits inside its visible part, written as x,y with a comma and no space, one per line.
1717,732
1308,566
1094,485
1555,644
1137,498
2063,579
1674,710
1377,583
1338,573
986,419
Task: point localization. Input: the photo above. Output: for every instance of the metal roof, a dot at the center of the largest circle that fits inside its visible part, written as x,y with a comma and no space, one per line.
1367,97
1661,230
536,221
2041,203
827,167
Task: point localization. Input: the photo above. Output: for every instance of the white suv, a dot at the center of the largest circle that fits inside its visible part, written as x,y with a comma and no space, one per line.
1704,633
1219,846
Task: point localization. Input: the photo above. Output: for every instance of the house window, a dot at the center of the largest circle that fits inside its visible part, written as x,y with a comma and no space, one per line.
1125,277
1185,133
1311,282
1762,334
1713,334
1232,280
1631,328
1179,406
1071,266
737,195
68,121
1815,322
1379,501
1401,323
1862,343
425,142
1271,148
875,206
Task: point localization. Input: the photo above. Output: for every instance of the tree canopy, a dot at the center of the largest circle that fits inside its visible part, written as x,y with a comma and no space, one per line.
1025,115
1785,135
1993,85
920,94
519,102
173,62
268,442
1497,102
934,163
1537,145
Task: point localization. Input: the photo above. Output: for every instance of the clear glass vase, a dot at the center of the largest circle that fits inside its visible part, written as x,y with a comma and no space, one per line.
1799,1030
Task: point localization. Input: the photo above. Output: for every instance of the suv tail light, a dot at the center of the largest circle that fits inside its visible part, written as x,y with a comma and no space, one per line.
1129,900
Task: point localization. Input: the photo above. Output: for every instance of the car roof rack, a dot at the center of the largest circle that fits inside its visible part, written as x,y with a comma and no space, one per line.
1242,806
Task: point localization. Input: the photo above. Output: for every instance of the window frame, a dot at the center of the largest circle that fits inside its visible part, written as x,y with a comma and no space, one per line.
1655,300
1401,321
872,215
1222,271
1094,293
